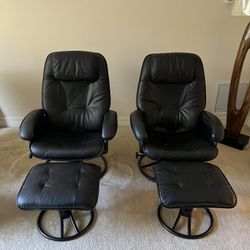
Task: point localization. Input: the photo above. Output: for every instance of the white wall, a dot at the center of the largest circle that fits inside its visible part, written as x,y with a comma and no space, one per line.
124,31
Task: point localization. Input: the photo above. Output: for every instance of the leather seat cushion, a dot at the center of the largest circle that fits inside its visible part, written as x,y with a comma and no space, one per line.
179,146
193,184
60,186
67,145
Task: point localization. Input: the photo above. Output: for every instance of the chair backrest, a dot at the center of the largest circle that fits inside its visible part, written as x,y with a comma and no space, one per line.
171,91
75,91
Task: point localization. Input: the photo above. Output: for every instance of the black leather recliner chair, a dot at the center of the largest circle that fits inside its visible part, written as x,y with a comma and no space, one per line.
170,122
75,122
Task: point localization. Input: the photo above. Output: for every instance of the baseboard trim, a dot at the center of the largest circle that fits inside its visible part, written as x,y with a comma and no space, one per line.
10,121
15,121
123,121
223,118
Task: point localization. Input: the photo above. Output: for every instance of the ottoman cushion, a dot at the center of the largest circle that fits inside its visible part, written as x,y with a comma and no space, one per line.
60,186
193,184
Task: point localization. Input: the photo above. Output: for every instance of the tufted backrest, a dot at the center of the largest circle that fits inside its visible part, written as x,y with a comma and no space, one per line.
75,91
171,91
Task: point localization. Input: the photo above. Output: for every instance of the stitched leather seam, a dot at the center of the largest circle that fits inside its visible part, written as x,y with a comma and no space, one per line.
76,187
40,195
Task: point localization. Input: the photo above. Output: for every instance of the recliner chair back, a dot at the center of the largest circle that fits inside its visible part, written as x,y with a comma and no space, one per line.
171,91
75,91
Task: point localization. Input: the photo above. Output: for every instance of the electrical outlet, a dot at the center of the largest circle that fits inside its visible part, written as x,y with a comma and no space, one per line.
228,1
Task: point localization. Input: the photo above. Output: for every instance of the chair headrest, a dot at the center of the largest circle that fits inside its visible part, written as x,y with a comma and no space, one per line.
172,67
73,66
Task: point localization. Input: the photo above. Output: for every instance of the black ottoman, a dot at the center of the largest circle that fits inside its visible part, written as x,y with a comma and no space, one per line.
189,185
62,187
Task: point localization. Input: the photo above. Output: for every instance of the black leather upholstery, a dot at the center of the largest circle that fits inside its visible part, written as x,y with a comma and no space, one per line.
60,186
138,125
68,145
75,122
193,184
171,91
76,91
170,122
211,127
186,146
109,126
32,124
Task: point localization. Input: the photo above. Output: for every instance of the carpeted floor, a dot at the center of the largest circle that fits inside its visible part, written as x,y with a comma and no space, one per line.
127,205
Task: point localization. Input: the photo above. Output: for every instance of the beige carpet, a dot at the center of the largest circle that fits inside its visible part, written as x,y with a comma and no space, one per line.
127,203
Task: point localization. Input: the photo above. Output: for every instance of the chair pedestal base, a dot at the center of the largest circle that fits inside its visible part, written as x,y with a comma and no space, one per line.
105,166
240,142
64,215
143,167
185,212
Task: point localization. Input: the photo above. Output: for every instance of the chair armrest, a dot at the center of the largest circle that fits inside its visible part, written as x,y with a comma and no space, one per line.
32,124
138,125
211,127
109,126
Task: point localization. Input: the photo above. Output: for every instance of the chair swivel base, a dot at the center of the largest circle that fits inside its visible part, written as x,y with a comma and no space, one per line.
143,167
105,166
64,215
186,212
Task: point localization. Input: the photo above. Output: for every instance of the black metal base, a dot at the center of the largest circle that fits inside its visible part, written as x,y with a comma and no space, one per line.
238,143
64,215
186,212
105,168
142,167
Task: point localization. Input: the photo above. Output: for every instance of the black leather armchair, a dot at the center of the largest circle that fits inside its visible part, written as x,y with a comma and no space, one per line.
170,122
75,123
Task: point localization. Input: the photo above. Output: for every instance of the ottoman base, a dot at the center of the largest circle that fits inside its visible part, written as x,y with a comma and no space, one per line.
185,212
61,187
64,215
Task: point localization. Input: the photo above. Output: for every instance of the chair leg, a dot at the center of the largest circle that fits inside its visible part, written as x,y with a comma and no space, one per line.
74,223
177,220
105,168
62,226
105,165
142,167
64,215
189,224
185,212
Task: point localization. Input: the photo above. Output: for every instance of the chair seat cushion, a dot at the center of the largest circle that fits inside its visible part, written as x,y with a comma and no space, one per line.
193,184
60,186
67,145
179,146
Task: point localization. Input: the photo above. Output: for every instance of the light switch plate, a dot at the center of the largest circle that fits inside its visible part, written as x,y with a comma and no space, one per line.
228,1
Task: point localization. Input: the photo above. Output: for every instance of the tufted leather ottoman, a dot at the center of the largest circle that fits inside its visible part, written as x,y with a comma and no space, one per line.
190,185
62,187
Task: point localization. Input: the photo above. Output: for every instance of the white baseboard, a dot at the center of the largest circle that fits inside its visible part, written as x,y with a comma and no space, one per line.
123,121
10,121
223,117
15,121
